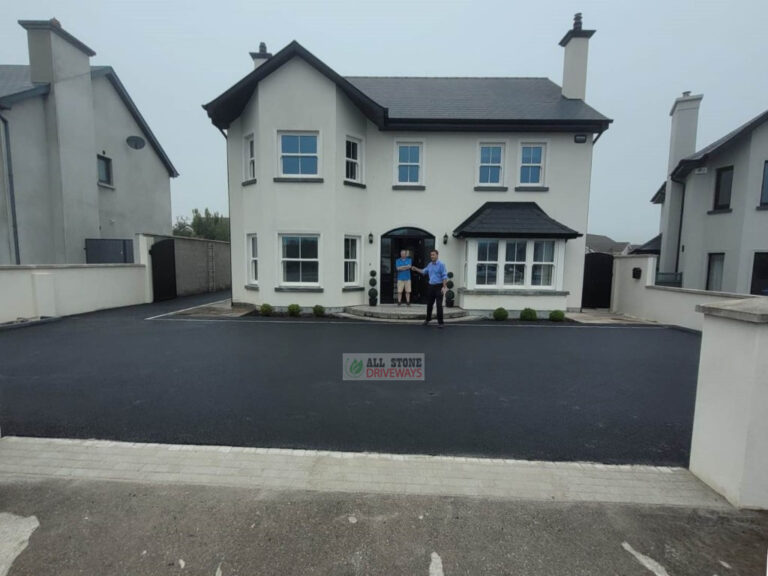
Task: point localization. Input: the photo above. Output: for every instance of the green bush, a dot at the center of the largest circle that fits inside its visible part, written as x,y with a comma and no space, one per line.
450,274
528,314
373,273
372,293
449,284
294,310
266,310
500,314
557,316
318,310
372,281
450,295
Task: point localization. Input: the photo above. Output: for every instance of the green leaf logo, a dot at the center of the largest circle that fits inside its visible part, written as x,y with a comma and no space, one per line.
354,368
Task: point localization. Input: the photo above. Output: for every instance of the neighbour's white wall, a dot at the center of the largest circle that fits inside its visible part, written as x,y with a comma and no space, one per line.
31,291
642,299
297,97
728,449
140,200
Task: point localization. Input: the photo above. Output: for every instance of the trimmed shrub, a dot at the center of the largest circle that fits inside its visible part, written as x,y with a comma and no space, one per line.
450,274
266,310
294,310
372,281
449,284
528,314
557,316
318,310
373,293
500,314
450,295
373,273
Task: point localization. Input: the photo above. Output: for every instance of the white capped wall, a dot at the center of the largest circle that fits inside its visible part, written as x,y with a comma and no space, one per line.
298,97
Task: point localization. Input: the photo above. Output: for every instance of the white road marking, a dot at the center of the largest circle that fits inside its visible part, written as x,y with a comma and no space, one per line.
352,520
436,565
646,561
182,563
15,532
725,564
218,570
186,309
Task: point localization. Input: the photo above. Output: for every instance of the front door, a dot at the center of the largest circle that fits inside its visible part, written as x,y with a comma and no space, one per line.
418,244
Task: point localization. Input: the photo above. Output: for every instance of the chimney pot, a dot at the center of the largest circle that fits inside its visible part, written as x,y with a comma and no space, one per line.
686,93
261,56
577,21
55,22
262,48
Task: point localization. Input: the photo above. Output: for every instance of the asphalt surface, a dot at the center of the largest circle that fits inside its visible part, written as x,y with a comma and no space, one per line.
114,528
605,394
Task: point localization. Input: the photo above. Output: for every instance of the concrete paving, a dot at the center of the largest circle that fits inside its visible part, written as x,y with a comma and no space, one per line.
120,528
609,394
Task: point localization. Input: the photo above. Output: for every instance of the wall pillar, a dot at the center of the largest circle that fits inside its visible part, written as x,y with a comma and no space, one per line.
729,450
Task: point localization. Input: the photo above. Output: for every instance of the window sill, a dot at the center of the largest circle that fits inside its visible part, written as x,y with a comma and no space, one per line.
491,188
531,188
353,288
105,185
250,182
254,287
494,291
762,207
408,187
298,289
720,211
354,184
285,179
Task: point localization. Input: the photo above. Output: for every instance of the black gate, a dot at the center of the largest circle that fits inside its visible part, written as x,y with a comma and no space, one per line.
417,243
163,270
598,278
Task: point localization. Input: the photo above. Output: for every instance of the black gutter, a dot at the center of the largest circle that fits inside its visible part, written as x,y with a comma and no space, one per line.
11,191
680,225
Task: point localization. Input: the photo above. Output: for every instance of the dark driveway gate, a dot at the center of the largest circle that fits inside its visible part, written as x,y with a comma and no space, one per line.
163,269
598,279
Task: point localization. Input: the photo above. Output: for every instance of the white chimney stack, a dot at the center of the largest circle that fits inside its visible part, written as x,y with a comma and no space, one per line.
576,44
261,56
685,124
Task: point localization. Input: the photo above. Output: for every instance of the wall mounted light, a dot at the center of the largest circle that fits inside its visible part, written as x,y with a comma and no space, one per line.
580,138
370,238
445,238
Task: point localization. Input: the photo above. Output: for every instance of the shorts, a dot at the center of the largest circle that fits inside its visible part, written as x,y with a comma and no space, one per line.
404,284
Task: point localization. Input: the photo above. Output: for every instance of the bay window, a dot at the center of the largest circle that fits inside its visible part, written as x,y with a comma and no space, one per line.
515,263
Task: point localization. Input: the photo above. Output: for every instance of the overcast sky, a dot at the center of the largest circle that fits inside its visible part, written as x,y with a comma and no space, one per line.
175,55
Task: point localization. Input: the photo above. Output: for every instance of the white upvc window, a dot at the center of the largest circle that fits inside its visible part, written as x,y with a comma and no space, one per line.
353,159
491,164
487,262
104,165
249,158
253,259
409,166
510,263
299,258
532,161
299,156
351,260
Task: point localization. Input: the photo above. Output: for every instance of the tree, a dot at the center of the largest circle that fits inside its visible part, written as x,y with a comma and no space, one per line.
212,226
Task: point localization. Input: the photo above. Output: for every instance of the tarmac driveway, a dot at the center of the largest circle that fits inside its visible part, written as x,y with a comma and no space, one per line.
606,394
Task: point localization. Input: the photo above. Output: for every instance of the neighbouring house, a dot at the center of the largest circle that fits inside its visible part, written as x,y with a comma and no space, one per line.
599,244
330,177
79,163
714,206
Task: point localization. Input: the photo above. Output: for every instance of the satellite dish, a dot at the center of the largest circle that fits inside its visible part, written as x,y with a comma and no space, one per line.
135,142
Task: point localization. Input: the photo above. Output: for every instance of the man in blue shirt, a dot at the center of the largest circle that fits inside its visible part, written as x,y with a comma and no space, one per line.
438,279
403,265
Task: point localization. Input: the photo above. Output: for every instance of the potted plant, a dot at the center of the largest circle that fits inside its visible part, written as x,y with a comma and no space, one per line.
372,293
450,295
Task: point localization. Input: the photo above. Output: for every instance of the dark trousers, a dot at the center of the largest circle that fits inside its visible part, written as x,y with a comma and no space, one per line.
435,294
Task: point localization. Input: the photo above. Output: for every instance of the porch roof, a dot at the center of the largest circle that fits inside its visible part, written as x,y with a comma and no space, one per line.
512,220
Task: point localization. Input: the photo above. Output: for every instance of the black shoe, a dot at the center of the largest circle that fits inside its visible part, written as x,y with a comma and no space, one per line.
425,322
441,325
399,303
407,303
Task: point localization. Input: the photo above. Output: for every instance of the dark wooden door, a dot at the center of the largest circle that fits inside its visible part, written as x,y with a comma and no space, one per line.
163,270
598,279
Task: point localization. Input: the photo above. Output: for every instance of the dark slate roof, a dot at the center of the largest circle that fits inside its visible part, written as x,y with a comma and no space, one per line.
604,244
653,246
398,103
512,220
15,85
661,194
474,98
700,158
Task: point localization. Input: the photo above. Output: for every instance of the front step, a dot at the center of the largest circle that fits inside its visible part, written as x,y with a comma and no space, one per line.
395,312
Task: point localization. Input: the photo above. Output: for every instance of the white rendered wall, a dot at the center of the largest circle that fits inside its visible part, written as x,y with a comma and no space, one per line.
297,97
641,299
31,291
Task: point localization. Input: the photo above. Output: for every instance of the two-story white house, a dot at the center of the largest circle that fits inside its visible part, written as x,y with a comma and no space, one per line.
714,206
330,177
79,165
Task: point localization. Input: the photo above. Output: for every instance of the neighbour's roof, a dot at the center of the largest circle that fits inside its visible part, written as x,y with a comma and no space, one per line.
15,85
653,246
604,244
700,158
512,220
661,194
400,103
